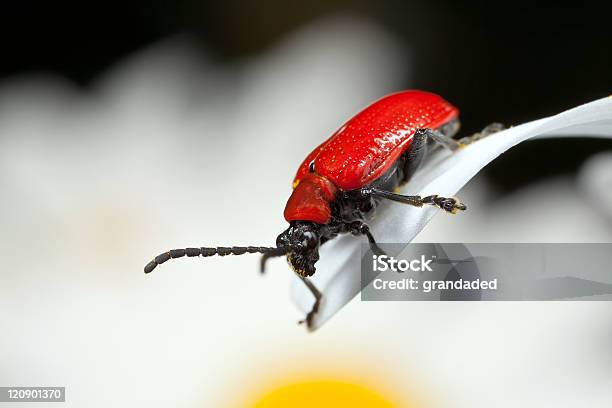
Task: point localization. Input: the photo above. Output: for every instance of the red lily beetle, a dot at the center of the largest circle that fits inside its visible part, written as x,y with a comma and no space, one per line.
338,186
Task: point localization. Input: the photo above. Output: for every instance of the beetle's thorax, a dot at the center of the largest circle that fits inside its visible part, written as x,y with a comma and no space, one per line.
311,199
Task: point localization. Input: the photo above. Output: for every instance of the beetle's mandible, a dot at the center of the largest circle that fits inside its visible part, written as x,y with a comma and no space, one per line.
338,186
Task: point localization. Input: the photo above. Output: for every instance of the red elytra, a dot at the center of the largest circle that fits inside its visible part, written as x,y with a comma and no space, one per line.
362,150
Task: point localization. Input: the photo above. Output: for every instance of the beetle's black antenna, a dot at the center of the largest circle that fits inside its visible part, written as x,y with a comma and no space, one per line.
221,251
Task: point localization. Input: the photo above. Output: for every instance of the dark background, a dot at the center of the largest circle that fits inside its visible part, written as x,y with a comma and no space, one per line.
509,62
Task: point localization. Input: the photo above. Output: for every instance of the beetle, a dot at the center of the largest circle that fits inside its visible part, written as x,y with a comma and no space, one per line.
341,182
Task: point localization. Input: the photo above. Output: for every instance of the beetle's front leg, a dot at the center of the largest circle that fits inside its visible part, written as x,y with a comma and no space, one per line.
361,228
315,307
268,255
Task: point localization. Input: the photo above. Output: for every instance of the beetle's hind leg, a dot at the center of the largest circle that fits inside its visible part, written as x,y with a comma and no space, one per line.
438,137
451,144
315,307
488,130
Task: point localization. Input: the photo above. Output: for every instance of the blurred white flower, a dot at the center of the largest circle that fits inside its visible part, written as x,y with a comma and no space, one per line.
166,149
596,181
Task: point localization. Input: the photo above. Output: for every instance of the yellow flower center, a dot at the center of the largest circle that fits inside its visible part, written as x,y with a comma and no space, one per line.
323,394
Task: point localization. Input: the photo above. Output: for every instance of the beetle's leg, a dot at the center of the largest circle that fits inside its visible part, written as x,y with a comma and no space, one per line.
438,137
361,228
448,204
268,255
453,144
315,307
488,130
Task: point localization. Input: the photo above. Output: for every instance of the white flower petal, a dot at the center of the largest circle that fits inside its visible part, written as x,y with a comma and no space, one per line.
443,173
595,180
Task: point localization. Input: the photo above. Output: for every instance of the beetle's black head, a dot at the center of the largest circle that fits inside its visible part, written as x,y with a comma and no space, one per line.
301,242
